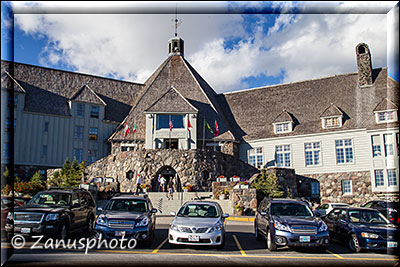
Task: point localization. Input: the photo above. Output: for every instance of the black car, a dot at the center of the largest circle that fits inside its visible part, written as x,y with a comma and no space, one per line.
289,222
387,208
129,216
53,212
362,228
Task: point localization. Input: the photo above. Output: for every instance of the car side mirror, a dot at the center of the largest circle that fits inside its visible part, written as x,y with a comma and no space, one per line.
154,211
263,213
173,213
100,209
225,215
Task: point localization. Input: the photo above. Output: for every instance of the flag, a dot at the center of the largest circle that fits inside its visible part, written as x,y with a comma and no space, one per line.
189,125
134,128
126,129
207,126
170,125
216,133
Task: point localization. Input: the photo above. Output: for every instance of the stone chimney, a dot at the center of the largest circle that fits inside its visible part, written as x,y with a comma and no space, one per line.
364,65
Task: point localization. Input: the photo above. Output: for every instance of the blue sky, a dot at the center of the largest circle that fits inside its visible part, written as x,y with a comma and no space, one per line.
245,45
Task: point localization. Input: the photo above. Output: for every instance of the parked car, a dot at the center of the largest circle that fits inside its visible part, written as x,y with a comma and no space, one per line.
128,216
198,223
289,222
324,209
7,205
54,212
362,228
387,208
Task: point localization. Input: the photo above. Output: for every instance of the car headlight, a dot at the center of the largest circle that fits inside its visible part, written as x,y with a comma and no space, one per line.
281,227
369,235
144,222
215,228
174,227
323,227
52,216
102,220
10,216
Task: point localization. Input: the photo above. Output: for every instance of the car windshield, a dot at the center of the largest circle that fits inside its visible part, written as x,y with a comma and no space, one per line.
367,216
339,205
51,199
127,205
290,209
199,210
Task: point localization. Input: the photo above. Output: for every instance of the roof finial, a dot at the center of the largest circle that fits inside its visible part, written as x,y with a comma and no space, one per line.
176,21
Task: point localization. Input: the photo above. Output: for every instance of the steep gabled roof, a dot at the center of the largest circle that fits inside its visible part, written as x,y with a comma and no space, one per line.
172,101
86,94
176,72
284,116
332,110
6,81
386,104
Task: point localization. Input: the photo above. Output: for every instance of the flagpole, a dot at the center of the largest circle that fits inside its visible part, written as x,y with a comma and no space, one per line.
204,132
134,136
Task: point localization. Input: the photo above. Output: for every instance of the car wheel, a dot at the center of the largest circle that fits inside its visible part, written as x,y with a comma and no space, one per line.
354,245
271,246
222,245
63,231
149,241
257,232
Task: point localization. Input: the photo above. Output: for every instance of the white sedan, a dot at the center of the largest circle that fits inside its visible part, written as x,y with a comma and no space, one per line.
324,209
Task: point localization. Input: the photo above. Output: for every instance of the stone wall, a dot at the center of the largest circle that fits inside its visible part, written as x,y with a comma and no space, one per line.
331,188
196,167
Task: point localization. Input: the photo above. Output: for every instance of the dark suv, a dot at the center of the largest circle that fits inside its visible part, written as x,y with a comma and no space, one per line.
128,216
289,222
53,212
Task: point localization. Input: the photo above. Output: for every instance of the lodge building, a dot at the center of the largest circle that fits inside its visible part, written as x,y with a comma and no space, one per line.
341,130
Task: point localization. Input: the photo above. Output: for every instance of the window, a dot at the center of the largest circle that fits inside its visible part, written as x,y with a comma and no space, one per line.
376,146
386,116
91,155
93,134
283,127
213,147
256,157
163,121
331,122
392,179
379,179
78,154
315,188
80,110
282,155
78,132
344,151
46,126
346,187
312,153
94,111
44,151
388,141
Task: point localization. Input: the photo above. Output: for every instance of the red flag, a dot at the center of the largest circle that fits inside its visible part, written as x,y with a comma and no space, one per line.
170,125
189,125
126,129
216,132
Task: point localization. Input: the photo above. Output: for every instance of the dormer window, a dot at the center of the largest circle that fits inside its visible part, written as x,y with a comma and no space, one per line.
386,116
282,127
332,122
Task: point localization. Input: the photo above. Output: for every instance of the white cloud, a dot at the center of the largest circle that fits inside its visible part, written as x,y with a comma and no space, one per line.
132,46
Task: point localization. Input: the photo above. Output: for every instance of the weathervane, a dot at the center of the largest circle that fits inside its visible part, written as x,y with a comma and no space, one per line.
176,21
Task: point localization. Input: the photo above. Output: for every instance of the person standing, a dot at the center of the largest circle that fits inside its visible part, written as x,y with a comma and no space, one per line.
162,182
171,190
138,184
159,183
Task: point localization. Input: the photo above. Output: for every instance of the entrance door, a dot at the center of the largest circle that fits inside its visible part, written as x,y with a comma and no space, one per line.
171,143
166,171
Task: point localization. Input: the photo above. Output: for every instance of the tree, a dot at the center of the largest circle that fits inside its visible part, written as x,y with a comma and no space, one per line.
267,185
70,175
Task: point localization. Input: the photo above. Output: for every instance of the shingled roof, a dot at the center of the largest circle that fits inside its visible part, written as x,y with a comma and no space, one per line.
253,111
49,90
176,72
172,101
332,110
386,104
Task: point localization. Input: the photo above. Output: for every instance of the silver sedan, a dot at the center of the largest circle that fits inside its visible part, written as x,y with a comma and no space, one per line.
198,223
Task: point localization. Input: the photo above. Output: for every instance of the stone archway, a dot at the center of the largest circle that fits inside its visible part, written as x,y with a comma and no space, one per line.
167,171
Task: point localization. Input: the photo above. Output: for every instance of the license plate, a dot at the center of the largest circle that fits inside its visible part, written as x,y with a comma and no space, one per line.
119,233
392,244
25,230
305,238
194,238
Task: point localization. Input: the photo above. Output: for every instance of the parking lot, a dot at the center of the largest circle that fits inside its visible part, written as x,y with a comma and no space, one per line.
241,249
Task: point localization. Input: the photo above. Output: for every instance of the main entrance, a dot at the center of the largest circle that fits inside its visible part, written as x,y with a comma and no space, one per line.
171,143
168,172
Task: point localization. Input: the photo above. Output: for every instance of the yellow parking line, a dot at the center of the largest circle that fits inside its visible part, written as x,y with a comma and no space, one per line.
159,246
239,246
336,255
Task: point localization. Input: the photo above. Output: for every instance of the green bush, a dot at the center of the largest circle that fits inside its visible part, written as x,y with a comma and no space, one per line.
267,185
